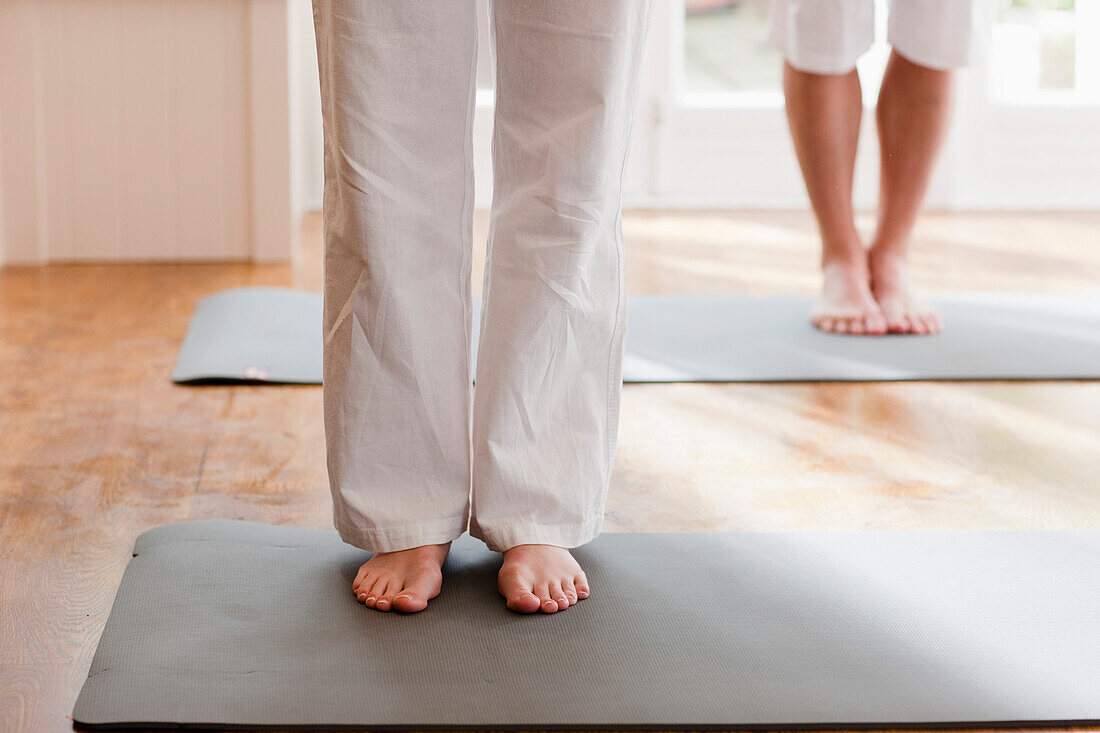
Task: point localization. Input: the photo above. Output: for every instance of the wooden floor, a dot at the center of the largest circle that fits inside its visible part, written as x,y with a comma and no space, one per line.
98,445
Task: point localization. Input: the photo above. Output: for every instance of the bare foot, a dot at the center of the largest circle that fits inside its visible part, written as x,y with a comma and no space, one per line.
541,577
404,580
893,289
846,304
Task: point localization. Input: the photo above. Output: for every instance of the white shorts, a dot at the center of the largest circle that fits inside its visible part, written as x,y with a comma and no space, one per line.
828,36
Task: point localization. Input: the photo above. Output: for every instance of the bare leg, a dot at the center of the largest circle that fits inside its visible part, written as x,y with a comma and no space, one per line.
824,114
914,108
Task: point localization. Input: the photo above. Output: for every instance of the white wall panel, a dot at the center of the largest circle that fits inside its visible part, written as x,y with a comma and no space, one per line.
152,130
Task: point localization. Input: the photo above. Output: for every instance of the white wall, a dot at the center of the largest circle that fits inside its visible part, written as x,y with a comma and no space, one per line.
153,130
306,105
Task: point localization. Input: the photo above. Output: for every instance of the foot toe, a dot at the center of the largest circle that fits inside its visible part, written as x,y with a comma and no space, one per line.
415,595
546,603
358,590
570,590
384,600
368,594
409,601
363,580
875,324
518,593
580,582
892,315
557,594
524,603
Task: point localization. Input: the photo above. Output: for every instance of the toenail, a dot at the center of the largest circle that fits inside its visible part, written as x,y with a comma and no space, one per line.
370,598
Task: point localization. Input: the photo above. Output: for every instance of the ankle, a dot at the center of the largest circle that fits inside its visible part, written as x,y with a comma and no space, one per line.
854,264
887,265
844,247
845,250
885,254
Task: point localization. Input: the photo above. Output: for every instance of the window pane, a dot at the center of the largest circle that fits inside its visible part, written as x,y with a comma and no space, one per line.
1034,48
726,47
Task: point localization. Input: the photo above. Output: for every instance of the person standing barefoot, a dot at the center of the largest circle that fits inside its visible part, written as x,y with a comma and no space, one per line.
413,459
867,289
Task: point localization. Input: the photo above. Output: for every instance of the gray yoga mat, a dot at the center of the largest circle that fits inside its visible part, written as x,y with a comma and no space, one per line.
274,335
256,334
232,624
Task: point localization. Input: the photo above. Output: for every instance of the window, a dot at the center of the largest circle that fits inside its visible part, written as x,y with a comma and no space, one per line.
1034,52
726,47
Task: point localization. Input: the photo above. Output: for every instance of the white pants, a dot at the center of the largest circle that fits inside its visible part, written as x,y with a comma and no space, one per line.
829,36
397,85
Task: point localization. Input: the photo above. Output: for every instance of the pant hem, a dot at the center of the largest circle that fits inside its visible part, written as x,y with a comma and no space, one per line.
936,61
823,64
508,532
401,537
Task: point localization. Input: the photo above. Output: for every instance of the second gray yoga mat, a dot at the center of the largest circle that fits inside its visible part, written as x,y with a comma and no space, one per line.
274,335
231,624
254,334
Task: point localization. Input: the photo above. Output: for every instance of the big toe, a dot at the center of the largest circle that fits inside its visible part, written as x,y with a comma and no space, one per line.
894,315
926,321
525,602
415,595
408,601
519,594
875,324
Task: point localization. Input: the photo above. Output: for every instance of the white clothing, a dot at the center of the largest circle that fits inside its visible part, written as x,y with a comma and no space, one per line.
829,36
398,84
